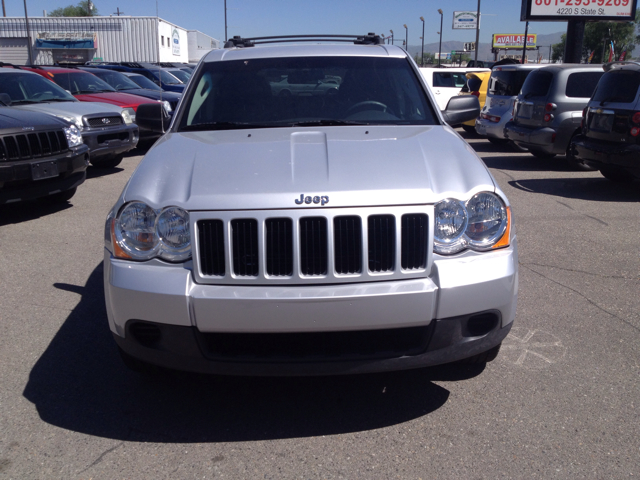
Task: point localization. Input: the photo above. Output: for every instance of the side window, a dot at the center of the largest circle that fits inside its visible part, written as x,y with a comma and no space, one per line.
582,84
442,79
459,79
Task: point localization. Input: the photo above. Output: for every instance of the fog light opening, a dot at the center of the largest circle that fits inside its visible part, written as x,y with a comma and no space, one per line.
481,324
146,334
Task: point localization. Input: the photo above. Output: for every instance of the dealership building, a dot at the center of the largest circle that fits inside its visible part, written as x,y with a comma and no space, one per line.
106,39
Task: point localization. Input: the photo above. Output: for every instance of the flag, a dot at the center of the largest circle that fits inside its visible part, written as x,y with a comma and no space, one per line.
591,56
622,55
611,52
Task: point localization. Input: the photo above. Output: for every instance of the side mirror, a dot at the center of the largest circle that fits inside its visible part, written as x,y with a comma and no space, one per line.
461,109
153,117
5,98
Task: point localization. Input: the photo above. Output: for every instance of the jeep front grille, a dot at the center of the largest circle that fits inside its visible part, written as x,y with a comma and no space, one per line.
312,246
32,145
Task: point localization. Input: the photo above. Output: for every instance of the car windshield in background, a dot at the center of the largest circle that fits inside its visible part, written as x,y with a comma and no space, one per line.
79,83
117,80
182,76
507,83
537,84
166,77
306,91
621,86
143,82
24,88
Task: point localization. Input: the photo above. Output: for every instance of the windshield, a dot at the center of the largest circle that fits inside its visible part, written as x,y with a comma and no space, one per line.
182,76
116,80
31,88
166,77
617,86
537,84
277,92
79,83
143,82
507,82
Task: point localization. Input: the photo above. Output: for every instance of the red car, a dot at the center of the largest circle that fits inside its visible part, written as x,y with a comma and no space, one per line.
86,87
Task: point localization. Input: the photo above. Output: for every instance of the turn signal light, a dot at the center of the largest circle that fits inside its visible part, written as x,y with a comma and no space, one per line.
548,117
636,118
549,107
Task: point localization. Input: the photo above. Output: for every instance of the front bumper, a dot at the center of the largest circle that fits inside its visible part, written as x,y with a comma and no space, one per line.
110,141
187,316
602,154
22,180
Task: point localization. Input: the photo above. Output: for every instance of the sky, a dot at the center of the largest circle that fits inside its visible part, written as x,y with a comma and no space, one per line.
254,18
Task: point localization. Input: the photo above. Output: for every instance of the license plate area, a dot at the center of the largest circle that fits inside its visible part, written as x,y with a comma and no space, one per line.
601,122
42,170
525,111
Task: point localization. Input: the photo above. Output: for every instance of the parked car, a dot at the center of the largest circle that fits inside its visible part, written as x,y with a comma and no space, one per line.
611,124
155,73
40,156
124,83
477,85
446,83
480,63
106,129
344,233
548,110
180,74
504,85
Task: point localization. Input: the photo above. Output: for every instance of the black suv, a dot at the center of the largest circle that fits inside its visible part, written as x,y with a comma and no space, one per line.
40,156
610,138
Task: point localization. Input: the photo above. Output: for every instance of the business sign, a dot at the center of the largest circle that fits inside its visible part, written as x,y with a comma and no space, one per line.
175,42
442,56
563,10
513,40
465,20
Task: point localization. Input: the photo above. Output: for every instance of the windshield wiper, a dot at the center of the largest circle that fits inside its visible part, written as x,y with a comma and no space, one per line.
325,123
23,102
224,126
57,100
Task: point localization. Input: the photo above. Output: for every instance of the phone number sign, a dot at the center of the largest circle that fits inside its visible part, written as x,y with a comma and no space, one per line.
563,10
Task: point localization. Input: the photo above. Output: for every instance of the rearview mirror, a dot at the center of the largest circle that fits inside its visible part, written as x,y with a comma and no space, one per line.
153,117
461,109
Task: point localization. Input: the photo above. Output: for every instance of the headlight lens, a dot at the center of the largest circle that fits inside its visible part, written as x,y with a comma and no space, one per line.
141,233
482,223
74,137
128,115
72,120
166,105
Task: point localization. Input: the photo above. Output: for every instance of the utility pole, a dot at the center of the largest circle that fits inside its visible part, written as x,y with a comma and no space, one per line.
118,12
4,10
477,33
26,19
524,46
225,20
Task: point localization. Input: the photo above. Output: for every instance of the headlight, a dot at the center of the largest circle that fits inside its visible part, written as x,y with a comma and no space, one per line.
482,223
77,122
128,115
140,233
74,137
166,105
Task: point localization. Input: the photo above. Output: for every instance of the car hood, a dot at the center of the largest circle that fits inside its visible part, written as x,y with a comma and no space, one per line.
114,98
13,118
171,97
74,109
272,168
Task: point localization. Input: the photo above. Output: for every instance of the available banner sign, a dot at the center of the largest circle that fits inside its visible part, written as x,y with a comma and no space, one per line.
513,40
465,20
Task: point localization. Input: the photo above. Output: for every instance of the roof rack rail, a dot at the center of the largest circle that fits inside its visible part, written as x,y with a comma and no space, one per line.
3,64
608,66
368,39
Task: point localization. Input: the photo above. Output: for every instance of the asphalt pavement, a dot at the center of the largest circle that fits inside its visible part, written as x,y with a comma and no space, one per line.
562,400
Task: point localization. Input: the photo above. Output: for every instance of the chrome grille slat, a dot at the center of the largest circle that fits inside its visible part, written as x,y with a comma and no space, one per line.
312,246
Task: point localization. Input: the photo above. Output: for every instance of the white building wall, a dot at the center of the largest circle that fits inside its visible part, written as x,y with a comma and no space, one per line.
200,44
173,43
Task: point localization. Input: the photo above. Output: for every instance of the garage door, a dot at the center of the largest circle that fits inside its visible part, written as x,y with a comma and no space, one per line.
14,50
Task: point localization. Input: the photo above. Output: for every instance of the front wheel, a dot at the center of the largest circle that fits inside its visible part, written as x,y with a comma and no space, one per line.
108,162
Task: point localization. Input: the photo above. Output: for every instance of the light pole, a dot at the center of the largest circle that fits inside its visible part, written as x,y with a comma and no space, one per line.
406,38
26,20
440,47
391,36
422,37
477,32
225,21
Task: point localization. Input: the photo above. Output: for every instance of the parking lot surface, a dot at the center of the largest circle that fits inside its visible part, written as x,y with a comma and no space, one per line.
560,401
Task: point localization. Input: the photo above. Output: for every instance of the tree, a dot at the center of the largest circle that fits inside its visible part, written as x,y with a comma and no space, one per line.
85,8
598,37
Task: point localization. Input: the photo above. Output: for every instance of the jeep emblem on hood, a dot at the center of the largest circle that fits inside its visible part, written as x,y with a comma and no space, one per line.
323,200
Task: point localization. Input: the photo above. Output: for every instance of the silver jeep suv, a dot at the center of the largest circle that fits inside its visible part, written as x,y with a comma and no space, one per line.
347,231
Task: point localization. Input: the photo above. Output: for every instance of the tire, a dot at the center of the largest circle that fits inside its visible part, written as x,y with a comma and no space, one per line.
618,176
576,163
498,141
61,197
541,154
469,128
109,162
484,357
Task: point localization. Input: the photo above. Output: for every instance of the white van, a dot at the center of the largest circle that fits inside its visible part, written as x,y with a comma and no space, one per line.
447,82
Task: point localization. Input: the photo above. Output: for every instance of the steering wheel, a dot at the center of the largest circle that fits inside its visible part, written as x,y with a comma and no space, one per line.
372,103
